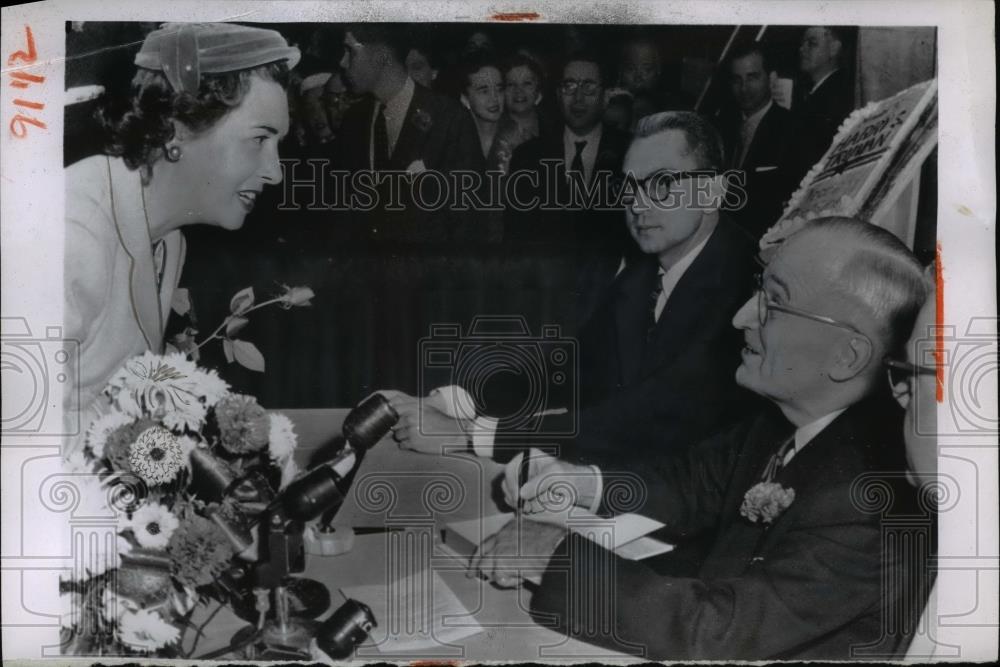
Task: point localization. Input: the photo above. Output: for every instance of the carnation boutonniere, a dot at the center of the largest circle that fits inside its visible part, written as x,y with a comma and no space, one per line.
765,502
422,120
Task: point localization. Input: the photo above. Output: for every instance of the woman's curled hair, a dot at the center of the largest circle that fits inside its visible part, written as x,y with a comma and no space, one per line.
141,124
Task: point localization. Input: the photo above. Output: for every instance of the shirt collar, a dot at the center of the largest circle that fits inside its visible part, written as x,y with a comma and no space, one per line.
823,80
670,277
805,434
570,137
757,115
397,105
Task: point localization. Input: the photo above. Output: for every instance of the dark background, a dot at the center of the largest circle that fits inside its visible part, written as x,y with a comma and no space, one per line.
374,302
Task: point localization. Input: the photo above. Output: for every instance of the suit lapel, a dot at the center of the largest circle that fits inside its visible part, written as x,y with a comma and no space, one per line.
633,288
133,234
684,311
408,144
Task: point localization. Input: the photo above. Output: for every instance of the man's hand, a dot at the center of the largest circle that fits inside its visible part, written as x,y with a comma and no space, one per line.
552,484
519,552
422,427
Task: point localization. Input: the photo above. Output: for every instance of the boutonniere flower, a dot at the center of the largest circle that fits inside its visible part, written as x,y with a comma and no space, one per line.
422,120
766,501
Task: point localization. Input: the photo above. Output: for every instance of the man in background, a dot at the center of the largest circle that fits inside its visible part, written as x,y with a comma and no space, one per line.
399,127
756,134
828,96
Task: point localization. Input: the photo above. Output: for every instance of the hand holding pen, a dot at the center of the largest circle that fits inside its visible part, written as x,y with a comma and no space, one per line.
536,482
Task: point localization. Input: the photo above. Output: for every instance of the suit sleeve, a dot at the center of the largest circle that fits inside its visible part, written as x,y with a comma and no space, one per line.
822,573
685,491
462,150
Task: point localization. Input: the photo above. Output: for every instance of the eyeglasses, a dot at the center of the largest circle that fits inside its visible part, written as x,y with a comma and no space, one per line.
765,305
588,88
658,185
903,371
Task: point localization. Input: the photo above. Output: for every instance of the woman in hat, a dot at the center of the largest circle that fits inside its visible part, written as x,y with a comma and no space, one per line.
196,142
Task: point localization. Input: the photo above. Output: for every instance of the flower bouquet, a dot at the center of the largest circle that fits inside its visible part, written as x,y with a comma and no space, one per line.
181,465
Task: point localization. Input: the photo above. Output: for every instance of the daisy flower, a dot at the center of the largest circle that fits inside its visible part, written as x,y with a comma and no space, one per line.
156,456
281,440
153,525
145,630
102,427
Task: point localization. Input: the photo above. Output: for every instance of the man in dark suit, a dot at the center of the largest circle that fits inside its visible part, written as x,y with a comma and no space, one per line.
399,127
756,135
793,498
656,357
827,99
553,175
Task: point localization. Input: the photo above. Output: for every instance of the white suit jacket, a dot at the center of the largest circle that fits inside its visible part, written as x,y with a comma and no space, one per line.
113,307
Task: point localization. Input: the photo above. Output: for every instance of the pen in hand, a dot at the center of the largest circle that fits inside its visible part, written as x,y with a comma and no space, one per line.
522,479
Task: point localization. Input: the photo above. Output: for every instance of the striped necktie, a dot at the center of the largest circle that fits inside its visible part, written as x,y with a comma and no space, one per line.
654,296
777,461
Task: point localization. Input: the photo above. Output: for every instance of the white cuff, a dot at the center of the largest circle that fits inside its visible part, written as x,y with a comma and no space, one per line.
483,431
596,504
453,401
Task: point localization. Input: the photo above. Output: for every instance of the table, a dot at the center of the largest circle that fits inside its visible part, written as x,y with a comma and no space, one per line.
417,493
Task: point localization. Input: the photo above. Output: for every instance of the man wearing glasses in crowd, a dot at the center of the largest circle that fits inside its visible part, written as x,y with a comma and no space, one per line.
656,357
583,148
799,567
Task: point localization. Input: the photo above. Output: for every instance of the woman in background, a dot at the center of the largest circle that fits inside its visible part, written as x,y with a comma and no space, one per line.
196,142
483,95
523,82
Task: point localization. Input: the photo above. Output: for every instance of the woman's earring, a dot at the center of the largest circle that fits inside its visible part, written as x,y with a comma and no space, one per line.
174,153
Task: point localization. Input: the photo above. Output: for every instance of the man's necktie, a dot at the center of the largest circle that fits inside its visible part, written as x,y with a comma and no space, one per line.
380,140
777,461
654,296
577,163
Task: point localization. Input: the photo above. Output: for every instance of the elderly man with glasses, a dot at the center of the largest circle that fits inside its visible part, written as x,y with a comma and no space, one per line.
798,566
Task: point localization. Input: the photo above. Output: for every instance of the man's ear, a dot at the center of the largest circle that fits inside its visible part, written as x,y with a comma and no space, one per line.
538,99
464,100
852,357
710,192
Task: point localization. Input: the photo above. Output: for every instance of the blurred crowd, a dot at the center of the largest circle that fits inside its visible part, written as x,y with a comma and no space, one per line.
776,111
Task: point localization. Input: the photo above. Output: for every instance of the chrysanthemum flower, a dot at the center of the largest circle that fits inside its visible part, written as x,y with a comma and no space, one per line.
170,388
243,425
156,455
199,551
281,439
102,427
152,525
145,630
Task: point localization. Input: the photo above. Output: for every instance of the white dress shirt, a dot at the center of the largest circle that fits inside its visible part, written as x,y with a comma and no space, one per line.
805,434
749,128
821,81
589,154
395,113
670,277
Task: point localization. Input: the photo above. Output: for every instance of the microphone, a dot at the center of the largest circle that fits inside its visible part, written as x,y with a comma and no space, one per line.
323,487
